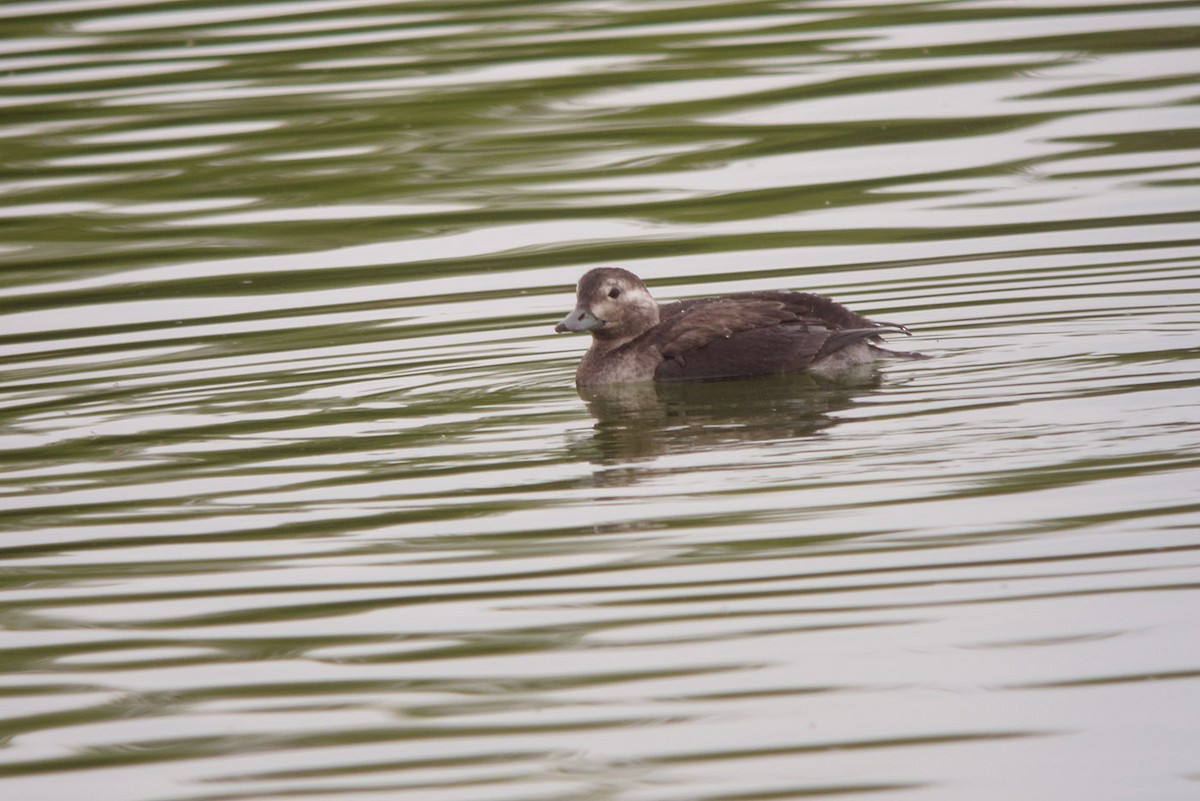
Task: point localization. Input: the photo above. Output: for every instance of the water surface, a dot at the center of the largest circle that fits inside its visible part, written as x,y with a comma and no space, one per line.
298,500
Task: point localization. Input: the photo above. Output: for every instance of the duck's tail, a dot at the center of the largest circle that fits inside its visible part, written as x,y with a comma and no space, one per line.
848,336
887,353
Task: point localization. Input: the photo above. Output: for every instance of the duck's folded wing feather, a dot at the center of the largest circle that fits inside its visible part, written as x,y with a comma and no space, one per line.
746,354
738,338
717,319
754,334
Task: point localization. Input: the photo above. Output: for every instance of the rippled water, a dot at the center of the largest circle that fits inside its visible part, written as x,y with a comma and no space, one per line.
298,499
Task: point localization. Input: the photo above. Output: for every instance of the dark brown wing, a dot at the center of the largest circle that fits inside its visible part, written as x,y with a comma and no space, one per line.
753,334
746,354
736,337
717,318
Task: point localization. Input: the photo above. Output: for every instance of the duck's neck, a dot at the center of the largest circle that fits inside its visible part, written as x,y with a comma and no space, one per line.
605,344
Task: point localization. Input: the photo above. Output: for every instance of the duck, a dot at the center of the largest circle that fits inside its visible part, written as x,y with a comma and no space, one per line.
744,335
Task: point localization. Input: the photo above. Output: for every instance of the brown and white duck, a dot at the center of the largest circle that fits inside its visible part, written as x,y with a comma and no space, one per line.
745,335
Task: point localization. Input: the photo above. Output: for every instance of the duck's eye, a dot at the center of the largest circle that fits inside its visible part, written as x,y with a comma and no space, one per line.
614,293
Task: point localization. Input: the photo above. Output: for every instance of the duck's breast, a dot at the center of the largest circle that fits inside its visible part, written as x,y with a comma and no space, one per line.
625,364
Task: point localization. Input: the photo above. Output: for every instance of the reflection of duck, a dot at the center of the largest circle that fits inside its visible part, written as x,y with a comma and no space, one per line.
746,335
647,420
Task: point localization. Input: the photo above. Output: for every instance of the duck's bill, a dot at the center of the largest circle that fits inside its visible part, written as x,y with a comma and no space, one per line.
580,319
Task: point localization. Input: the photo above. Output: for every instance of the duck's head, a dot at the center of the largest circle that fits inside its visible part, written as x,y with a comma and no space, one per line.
613,304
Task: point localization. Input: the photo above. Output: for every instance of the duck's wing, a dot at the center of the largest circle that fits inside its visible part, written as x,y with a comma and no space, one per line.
749,336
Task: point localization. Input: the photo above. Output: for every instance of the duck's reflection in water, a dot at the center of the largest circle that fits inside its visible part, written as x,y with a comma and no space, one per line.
638,422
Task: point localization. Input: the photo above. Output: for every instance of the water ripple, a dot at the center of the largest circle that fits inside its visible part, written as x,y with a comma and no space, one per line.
298,497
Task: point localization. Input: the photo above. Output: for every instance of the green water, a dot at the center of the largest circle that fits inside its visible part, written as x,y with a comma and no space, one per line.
298,499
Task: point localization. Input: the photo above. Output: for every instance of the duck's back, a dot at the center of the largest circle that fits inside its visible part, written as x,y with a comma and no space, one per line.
804,305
